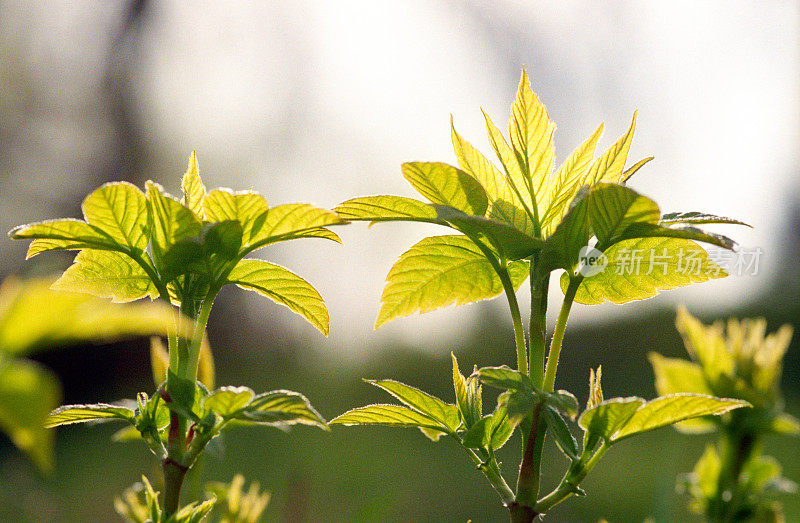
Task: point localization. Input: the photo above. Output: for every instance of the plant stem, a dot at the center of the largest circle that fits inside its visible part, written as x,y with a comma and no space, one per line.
570,482
537,327
492,473
558,335
200,329
516,317
528,477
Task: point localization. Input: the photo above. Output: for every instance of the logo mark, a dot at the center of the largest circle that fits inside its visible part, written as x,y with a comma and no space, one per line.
591,261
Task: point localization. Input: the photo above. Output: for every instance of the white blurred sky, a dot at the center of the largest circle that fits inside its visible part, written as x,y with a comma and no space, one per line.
322,101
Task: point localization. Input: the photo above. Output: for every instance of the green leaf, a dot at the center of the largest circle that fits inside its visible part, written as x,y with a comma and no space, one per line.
503,203
287,222
505,378
638,269
619,418
607,417
465,396
107,274
531,132
119,209
509,242
438,271
184,395
168,221
609,166
490,432
706,344
247,207
446,185
785,424
613,208
444,413
208,254
387,208
283,287
652,230
566,183
67,234
194,512
677,375
32,316
517,181
28,392
194,191
388,415
696,218
633,169
673,408
560,432
69,414
281,407
227,401
562,248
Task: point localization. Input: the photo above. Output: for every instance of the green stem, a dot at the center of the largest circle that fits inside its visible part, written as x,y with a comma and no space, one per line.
537,328
501,269
558,335
199,331
516,317
491,470
570,482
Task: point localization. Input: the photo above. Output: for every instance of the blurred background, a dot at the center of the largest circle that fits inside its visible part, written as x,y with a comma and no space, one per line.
322,101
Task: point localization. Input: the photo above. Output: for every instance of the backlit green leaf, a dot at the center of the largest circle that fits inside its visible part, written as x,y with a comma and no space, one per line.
168,221
387,208
606,418
33,316
560,431
119,209
696,218
247,207
69,414
613,208
444,413
283,287
438,271
289,221
673,408
531,132
194,191
463,396
227,401
610,165
503,203
67,234
566,182
677,375
490,432
517,181
445,185
281,407
28,392
639,268
508,241
504,378
388,415
652,230
106,274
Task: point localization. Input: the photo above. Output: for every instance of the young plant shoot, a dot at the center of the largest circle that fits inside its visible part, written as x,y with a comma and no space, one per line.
134,245
525,221
733,480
